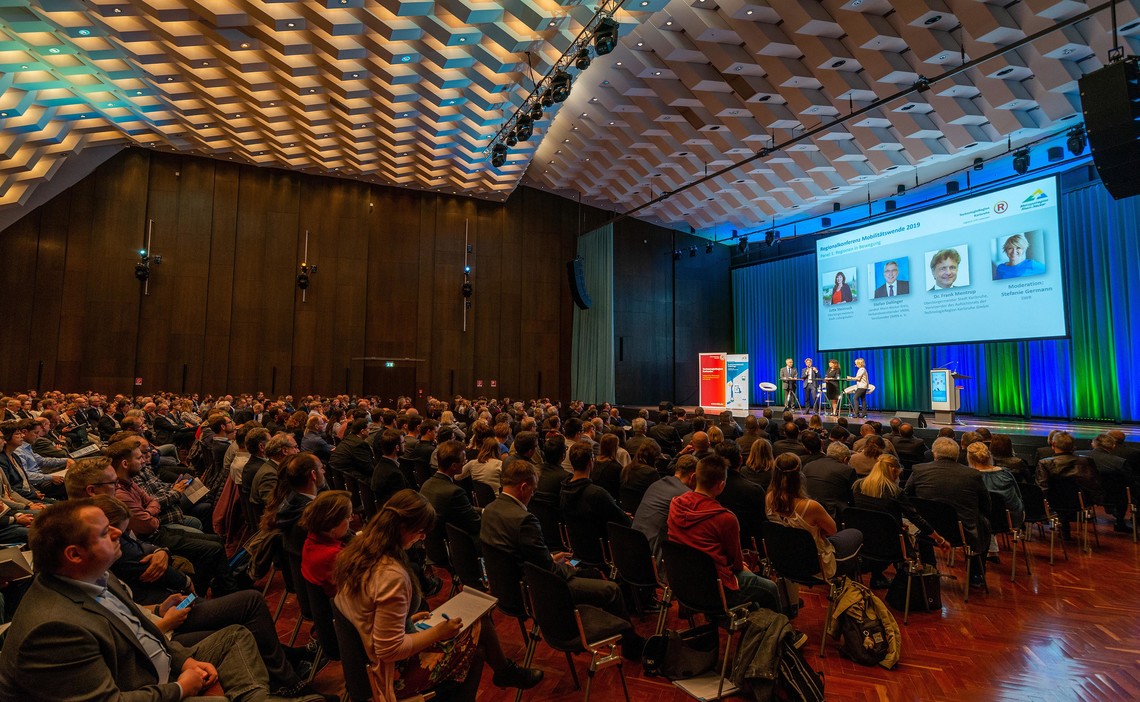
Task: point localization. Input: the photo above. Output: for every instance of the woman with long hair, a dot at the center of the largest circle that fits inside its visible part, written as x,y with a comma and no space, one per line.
487,465
325,522
378,592
761,461
832,385
607,469
863,461
841,291
787,504
880,491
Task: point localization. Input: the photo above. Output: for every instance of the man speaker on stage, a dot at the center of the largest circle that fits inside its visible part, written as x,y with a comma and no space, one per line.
892,286
789,376
810,376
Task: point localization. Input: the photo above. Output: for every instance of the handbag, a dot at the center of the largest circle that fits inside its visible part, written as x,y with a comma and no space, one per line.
679,655
896,593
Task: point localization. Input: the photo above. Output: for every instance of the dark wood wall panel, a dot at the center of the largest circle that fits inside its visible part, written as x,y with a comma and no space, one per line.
224,311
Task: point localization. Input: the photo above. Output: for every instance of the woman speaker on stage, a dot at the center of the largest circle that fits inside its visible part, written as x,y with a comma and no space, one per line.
862,384
832,377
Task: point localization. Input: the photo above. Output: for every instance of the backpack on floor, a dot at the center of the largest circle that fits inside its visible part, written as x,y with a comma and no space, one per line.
863,635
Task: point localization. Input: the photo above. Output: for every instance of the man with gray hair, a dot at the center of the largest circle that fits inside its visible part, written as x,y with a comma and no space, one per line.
946,480
279,447
1114,478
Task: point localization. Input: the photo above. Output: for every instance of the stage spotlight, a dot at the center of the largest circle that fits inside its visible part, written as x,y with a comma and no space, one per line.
742,245
709,247
825,222
1077,140
498,155
900,190
1055,153
835,207
512,138
606,36
582,62
770,237
524,127
560,86
979,164
467,289
952,187
142,271
536,112
547,99
1021,161
676,254
891,205
692,252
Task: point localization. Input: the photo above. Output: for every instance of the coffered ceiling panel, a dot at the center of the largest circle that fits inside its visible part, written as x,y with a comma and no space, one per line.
410,92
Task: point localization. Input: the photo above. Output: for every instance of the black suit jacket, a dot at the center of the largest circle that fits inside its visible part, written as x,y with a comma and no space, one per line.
164,428
46,447
829,482
902,287
666,437
745,499
353,456
913,448
452,505
508,526
957,485
387,479
785,446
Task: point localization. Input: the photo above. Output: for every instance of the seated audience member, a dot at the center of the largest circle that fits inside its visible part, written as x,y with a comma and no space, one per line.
587,508
388,477
863,459
637,437
791,441
169,496
867,430
264,482
698,446
829,479
377,592
1115,476
52,444
314,440
728,426
40,468
508,526
452,504
551,474
77,634
14,473
639,475
652,516
998,481
354,456
740,495
1065,466
908,447
752,432
813,446
487,465
301,477
325,523
524,448
151,578
698,520
606,472
1001,448
665,434
946,480
786,505
880,491
761,461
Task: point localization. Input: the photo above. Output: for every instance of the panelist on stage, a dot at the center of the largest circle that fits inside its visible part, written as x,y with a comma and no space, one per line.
789,376
810,376
832,388
862,384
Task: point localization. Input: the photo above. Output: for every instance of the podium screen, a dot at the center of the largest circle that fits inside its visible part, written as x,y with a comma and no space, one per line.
986,268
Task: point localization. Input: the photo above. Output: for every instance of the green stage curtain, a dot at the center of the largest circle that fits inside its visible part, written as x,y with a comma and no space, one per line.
592,373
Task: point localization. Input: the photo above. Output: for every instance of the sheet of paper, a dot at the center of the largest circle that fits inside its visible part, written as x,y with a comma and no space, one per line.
468,605
196,490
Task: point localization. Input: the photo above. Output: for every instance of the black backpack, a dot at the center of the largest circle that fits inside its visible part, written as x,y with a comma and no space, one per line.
863,635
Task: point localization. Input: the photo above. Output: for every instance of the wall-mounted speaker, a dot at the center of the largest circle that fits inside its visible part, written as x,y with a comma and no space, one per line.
576,273
1110,100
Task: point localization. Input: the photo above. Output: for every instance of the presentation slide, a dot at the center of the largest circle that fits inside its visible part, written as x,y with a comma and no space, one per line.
985,268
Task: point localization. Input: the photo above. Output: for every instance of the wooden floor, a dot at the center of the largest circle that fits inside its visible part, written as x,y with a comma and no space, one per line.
1069,632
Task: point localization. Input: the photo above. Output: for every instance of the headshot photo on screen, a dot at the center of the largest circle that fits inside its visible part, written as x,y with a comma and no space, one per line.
892,277
948,268
839,287
1018,256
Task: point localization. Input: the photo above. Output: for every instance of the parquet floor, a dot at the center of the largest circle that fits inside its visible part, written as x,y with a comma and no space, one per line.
1069,632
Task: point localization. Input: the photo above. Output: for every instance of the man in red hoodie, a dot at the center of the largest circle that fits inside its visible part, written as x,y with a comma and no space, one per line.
697,520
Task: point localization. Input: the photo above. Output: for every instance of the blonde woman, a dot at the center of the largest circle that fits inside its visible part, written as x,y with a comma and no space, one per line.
862,386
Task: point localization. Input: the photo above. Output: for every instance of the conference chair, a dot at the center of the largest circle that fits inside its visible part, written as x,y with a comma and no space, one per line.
546,510
944,518
572,628
884,541
322,609
504,581
792,554
484,493
1066,498
694,583
1001,524
463,554
438,556
1037,512
634,565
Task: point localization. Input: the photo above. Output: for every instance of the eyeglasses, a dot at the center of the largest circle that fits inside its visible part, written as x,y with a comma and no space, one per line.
111,482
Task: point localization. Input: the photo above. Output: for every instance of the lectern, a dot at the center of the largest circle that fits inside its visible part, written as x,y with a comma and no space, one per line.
945,395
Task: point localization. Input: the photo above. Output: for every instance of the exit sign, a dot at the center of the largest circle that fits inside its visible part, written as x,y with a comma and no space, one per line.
389,364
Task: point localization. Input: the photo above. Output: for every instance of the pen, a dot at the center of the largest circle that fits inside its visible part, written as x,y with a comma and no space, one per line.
445,617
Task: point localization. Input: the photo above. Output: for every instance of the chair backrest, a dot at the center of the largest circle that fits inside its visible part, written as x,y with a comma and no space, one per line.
435,544
1065,494
630,551
464,553
334,478
504,580
943,517
546,510
792,552
293,566
322,609
484,493
353,486
367,499
585,541
1034,500
353,658
693,578
631,498
880,534
553,608
422,470
998,516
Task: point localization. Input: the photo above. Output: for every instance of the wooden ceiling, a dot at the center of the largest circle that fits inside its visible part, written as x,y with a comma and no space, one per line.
409,93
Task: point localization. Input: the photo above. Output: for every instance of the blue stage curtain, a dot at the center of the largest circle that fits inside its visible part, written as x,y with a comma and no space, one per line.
592,369
1091,375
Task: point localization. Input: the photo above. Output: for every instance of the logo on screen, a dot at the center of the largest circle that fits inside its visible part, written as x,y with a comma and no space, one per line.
1037,198
1000,207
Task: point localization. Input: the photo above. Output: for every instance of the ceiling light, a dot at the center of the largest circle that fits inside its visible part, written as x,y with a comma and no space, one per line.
536,112
979,164
933,20
512,138
498,155
770,237
547,98
524,127
749,13
560,86
244,45
1077,140
84,32
1021,161
606,35
709,247
582,62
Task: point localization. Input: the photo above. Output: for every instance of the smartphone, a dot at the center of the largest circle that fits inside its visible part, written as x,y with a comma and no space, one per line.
186,602
574,562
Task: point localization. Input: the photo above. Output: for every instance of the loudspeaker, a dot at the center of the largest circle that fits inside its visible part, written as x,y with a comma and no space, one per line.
576,272
915,419
1110,99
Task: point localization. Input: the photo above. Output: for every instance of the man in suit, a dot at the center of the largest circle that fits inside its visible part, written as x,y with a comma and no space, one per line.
1064,466
387,476
353,455
788,378
637,436
681,423
508,526
791,441
892,285
256,441
946,480
908,446
1114,476
828,480
264,483
78,636
813,447
452,503
665,435
51,444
